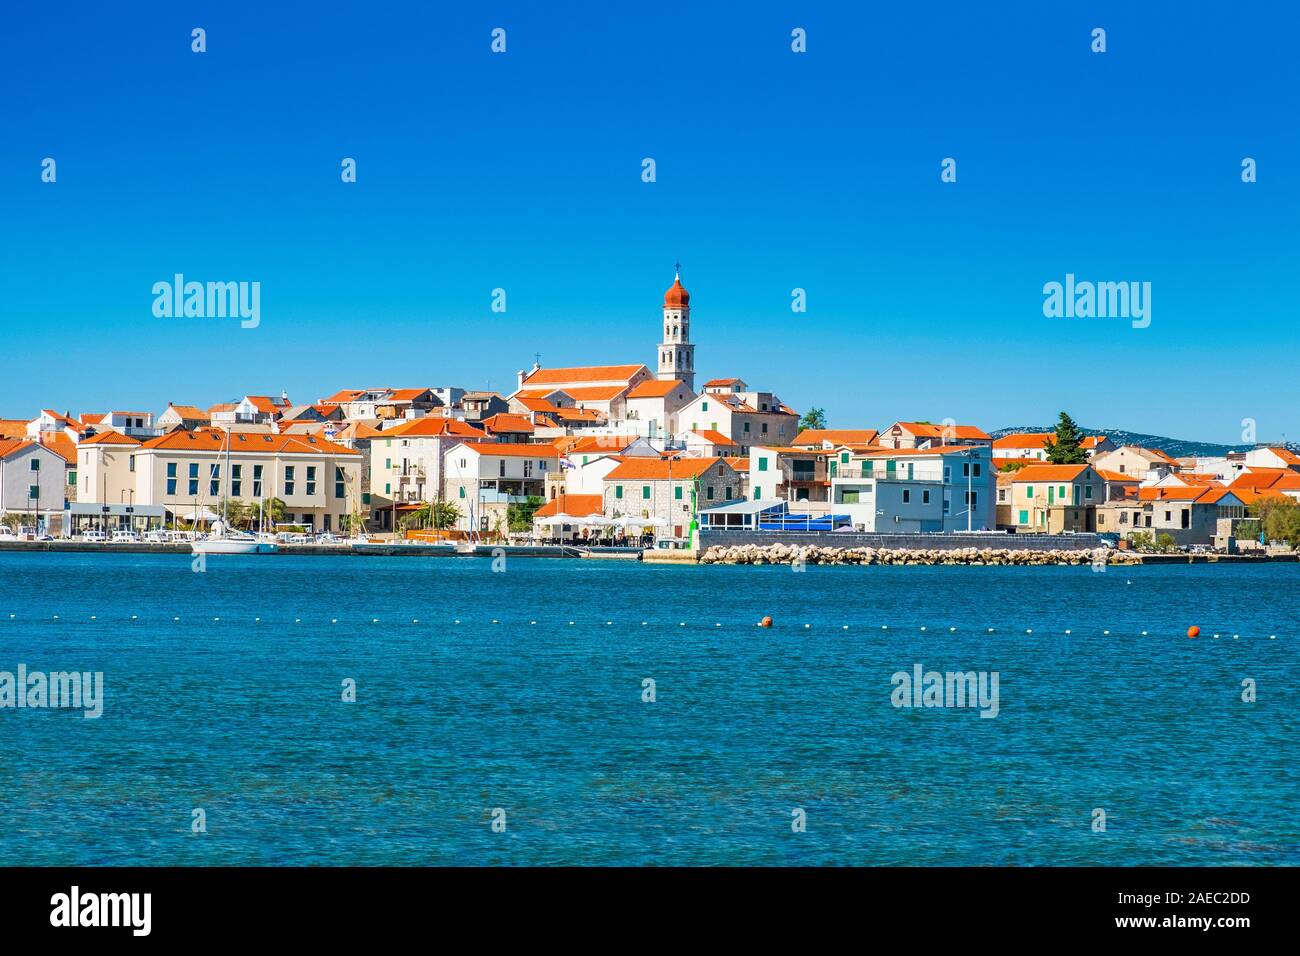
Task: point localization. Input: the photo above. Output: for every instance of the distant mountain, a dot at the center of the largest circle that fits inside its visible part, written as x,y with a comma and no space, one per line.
1174,447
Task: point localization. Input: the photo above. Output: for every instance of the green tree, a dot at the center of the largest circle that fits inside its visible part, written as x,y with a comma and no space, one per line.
519,516
12,520
1066,448
1141,540
813,418
1165,542
445,515
270,513
1279,517
1011,466
239,514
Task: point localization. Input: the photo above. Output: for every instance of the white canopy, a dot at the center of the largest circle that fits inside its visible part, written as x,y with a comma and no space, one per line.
200,514
642,523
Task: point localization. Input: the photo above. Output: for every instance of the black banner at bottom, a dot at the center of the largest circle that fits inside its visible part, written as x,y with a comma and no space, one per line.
338,905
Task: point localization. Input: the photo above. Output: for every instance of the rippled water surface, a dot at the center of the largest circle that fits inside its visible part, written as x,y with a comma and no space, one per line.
244,718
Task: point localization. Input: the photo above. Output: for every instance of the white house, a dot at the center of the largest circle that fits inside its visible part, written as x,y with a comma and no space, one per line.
482,479
32,483
949,488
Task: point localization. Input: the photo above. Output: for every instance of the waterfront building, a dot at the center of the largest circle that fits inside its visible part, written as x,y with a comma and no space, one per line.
1051,499
798,476
186,472
548,519
32,484
406,464
944,488
672,490
484,478
747,417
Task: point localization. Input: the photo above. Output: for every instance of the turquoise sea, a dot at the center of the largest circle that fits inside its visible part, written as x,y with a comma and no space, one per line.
514,707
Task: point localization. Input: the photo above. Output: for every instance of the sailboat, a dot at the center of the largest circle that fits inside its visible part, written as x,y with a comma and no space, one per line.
225,541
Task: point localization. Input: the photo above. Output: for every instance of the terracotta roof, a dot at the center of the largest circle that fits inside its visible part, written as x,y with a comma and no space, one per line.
535,404
10,445
930,430
714,437
578,506
838,436
344,395
720,382
61,445
1118,476
266,404
585,373
654,388
740,464
578,415
246,442
676,297
1258,478
1171,493
660,469
405,394
431,428
190,411
110,438
602,444
1286,454
504,422
512,449
1024,440
13,428
1049,473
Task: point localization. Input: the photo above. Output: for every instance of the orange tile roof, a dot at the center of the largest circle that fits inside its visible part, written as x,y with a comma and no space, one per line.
190,411
1171,493
740,464
512,449
13,428
1286,454
1257,478
10,445
660,469
344,395
266,404
930,430
719,382
653,388
1119,476
1024,440
246,443
110,438
505,422
577,506
839,436
578,415
534,404
434,427
61,445
714,437
405,394
1049,472
605,444
585,373
587,393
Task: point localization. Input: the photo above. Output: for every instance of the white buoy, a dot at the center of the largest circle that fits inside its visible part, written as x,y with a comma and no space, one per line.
215,619
532,622
1235,636
570,624
923,627
1029,630
884,627
334,620
1272,637
806,626
845,628
990,630
951,629
92,617
1144,633
457,621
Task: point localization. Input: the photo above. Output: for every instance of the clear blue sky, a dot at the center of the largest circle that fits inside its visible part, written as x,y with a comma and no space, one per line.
775,171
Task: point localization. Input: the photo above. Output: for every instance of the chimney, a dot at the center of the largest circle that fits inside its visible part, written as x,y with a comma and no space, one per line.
521,375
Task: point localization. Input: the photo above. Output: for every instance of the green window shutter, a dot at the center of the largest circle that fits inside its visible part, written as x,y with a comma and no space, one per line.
645,492
677,492
762,464
1024,517
618,491
1029,491
870,466
844,458
462,492
704,406
758,493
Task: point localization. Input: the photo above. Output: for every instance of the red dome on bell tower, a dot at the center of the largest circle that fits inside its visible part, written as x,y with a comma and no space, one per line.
677,297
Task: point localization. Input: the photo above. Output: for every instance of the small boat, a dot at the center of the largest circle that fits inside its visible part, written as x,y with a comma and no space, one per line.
233,544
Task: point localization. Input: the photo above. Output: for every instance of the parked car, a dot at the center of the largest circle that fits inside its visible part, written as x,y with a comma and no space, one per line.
7,533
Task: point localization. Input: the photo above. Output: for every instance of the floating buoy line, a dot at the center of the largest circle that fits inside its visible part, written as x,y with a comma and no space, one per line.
1192,632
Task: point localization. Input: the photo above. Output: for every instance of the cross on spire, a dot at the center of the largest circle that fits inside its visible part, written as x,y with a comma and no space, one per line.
678,266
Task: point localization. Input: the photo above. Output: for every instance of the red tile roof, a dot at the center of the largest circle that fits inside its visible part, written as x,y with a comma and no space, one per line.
577,506
653,388
660,469
585,373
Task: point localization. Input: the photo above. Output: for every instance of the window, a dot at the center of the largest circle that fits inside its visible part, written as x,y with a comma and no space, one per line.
645,492
925,497
528,467
1002,494
257,481
764,428
758,493
1061,492
288,479
947,474
1087,491
965,469
236,480
34,492
130,462
972,499
388,488
844,458
704,406
214,480
907,495
618,491
35,463
730,493
762,464
677,493
194,477
388,462
72,478
339,480
501,468
1029,491
869,466
708,492
947,504
1024,517
462,491
311,479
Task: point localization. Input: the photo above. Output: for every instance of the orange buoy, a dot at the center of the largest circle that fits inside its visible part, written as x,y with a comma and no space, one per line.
1193,631
766,622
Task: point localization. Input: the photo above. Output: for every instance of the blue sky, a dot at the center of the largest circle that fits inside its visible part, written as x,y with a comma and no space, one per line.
774,171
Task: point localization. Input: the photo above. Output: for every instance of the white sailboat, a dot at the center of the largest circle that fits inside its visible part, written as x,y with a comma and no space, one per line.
225,541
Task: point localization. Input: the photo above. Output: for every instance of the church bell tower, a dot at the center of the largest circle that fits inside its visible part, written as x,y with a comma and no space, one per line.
676,353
